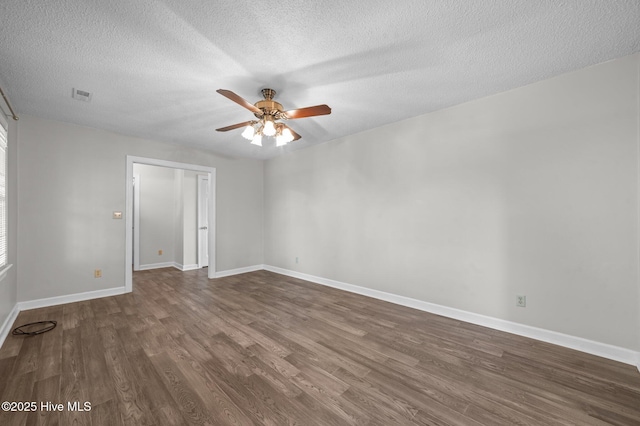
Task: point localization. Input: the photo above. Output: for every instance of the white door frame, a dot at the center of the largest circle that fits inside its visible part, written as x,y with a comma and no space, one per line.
136,223
211,171
201,262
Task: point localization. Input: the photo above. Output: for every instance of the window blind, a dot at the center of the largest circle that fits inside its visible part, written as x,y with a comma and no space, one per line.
3,196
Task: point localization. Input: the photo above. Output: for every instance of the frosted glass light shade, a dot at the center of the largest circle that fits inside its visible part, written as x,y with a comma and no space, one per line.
269,129
284,137
287,135
248,132
257,139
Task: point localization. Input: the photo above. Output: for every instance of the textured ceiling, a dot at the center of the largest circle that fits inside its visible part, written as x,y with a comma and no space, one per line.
153,66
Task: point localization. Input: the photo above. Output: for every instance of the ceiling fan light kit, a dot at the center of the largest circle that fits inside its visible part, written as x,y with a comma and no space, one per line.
248,132
257,139
268,129
284,137
268,112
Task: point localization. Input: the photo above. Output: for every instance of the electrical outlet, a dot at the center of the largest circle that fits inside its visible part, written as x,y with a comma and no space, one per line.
159,252
97,273
296,259
521,301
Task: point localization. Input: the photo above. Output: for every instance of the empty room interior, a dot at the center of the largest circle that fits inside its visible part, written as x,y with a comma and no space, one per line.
327,213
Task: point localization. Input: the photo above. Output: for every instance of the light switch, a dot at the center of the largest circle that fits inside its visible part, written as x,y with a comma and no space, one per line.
117,215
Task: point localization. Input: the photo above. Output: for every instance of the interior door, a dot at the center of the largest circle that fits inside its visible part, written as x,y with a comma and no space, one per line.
203,221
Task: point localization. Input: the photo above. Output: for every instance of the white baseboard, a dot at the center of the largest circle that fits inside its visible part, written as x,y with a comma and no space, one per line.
53,301
604,350
157,266
167,265
229,272
8,322
185,267
69,298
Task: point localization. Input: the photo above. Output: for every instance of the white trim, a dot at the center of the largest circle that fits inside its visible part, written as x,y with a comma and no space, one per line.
604,350
184,268
8,323
53,301
128,256
237,271
638,204
157,266
69,298
168,265
136,223
5,269
212,224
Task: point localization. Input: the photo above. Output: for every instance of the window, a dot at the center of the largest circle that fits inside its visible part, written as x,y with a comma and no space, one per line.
3,196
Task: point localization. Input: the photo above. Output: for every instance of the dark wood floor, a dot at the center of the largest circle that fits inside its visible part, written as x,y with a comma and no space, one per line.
262,348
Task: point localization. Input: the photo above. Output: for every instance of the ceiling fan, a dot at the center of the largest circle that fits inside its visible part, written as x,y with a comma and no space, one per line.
268,111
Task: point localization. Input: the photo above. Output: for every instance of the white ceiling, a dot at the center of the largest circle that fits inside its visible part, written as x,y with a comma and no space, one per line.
153,66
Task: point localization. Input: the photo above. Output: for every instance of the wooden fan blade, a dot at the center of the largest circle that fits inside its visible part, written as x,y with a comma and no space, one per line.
295,135
308,112
234,126
239,100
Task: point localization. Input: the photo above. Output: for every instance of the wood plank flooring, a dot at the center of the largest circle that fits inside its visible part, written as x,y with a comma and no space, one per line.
265,349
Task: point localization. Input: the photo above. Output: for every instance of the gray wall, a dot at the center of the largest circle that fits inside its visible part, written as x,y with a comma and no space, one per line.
189,218
158,214
167,204
533,191
72,178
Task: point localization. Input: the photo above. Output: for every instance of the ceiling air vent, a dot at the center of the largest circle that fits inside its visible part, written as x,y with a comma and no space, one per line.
81,95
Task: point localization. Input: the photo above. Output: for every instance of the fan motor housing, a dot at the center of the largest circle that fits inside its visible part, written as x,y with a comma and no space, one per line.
268,107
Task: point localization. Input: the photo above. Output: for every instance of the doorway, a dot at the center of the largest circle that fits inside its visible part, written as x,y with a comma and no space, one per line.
208,172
